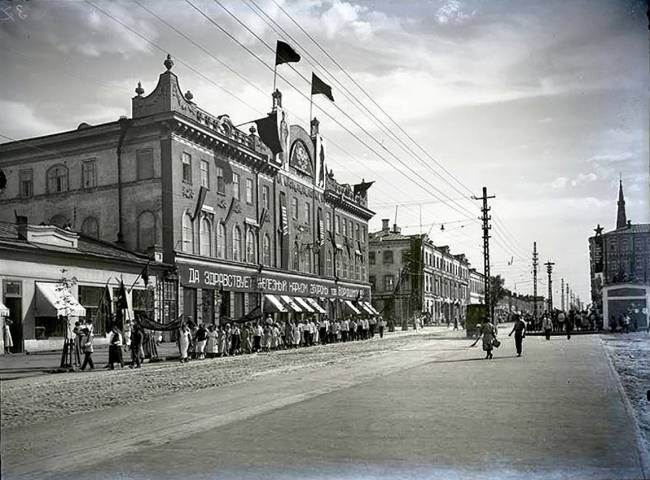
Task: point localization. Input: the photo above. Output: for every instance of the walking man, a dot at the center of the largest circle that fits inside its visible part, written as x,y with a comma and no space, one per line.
547,325
519,329
87,346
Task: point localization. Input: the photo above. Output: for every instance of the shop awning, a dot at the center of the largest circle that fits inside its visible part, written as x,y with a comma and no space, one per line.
292,303
275,304
50,302
316,305
304,305
373,310
4,311
352,307
364,307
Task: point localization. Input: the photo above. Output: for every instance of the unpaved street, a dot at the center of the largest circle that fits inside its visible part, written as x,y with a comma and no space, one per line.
416,406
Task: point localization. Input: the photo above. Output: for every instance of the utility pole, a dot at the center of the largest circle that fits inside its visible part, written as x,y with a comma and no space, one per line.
562,295
486,251
535,281
549,270
568,290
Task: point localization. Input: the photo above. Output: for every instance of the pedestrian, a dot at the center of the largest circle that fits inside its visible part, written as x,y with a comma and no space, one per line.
127,335
211,342
547,325
626,323
489,336
77,342
246,338
382,325
267,337
456,323
348,329
6,333
322,333
296,334
136,346
561,318
519,329
115,348
87,347
201,340
257,337
184,339
372,323
569,323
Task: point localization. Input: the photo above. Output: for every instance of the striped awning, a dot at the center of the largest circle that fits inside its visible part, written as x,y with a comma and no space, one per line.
275,304
352,307
52,301
316,305
4,311
372,309
303,304
363,306
292,303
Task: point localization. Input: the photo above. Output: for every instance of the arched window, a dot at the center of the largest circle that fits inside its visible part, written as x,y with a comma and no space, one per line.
236,244
90,227
188,234
251,257
57,179
146,230
221,240
206,238
266,250
59,220
328,264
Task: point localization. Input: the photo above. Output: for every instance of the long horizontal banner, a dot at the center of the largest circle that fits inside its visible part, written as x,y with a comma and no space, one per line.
239,280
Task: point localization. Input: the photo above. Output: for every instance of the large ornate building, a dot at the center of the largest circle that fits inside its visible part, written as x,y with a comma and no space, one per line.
412,276
619,262
239,222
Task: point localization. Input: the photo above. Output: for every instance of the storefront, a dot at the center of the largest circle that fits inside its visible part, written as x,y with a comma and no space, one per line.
626,299
213,293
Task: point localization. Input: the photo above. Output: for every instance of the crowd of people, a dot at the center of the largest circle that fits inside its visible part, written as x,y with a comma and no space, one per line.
196,341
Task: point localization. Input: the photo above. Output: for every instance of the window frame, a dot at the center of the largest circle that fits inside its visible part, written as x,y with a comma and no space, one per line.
250,197
56,177
140,163
90,164
236,186
26,176
205,173
187,167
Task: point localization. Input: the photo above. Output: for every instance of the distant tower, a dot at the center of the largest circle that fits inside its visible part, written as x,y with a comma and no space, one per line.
621,218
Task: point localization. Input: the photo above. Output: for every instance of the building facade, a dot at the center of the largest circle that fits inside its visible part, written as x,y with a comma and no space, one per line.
411,276
620,257
476,287
238,221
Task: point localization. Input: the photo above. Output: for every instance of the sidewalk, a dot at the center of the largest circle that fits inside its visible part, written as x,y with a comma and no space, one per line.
23,365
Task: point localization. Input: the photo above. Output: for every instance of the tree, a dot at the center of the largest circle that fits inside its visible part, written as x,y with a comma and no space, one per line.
497,291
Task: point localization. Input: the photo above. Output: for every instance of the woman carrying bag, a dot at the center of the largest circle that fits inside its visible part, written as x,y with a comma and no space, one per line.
489,335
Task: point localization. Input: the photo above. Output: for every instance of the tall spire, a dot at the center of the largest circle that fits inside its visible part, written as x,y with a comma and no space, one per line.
621,218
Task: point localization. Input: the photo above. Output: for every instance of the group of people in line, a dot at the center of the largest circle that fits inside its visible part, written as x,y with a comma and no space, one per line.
140,342
197,341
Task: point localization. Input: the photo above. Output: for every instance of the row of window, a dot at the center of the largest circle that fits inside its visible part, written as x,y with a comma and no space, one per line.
431,285
388,258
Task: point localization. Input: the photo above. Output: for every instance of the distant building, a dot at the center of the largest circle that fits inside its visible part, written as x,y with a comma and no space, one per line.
476,287
619,262
409,275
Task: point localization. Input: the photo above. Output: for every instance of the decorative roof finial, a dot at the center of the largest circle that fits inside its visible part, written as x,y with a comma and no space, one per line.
252,130
189,96
139,90
169,63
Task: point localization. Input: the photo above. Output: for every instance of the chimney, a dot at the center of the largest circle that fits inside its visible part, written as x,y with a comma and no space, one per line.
385,225
396,229
21,226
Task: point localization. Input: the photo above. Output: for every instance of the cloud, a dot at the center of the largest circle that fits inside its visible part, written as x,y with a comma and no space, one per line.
24,121
452,12
583,179
560,182
612,157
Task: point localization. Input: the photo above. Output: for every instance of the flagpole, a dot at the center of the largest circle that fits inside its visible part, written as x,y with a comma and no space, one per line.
311,104
275,75
139,275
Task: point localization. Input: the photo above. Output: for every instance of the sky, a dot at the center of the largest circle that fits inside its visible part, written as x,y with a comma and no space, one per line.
545,103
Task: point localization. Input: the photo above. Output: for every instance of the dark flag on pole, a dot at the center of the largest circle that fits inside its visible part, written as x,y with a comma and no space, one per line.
284,53
318,86
268,129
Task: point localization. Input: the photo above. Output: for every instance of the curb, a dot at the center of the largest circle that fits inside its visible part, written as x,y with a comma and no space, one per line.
644,455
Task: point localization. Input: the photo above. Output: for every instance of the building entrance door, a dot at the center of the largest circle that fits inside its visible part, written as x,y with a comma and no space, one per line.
14,302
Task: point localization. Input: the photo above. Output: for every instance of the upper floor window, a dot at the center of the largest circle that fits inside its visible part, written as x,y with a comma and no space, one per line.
266,250
266,197
294,208
146,230
188,234
328,264
372,281
187,167
389,282
205,235
337,225
388,256
329,222
236,244
88,174
249,191
205,174
356,231
144,161
235,186
371,258
405,257
307,213
251,257
57,179
345,227
221,183
221,240
26,183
